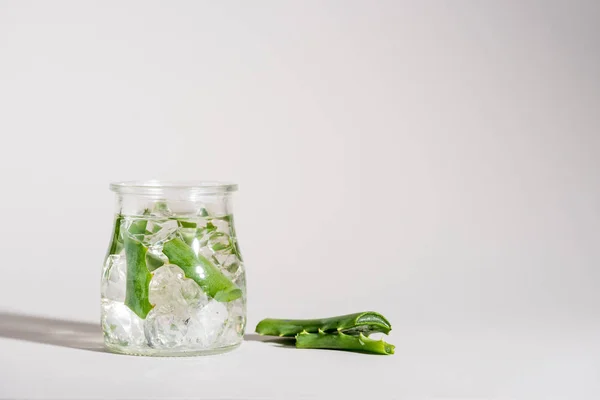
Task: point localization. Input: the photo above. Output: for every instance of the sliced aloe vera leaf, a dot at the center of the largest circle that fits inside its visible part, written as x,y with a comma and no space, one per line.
219,246
341,341
116,242
365,322
210,227
197,267
234,241
156,228
186,224
138,277
188,237
154,261
235,247
138,227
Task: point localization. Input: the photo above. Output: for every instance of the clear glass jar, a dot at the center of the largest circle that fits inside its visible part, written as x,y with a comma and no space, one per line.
173,281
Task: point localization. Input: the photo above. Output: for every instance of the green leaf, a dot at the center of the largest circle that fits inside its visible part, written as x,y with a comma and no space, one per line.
138,277
156,228
235,244
365,322
197,267
153,261
138,227
210,227
186,224
116,242
341,341
219,246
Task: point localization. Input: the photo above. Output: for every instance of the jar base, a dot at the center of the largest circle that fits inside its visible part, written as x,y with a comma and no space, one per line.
149,352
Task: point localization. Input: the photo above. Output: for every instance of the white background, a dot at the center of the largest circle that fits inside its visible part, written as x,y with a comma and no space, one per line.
434,161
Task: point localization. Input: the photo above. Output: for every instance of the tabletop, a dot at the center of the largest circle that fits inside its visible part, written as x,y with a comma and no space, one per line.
44,357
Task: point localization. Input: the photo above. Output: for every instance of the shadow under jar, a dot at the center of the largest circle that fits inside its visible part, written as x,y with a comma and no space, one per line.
173,281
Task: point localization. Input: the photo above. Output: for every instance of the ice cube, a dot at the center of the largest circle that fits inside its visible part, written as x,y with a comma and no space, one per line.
239,278
222,225
222,259
166,326
230,263
164,285
192,294
159,233
206,324
220,243
236,322
120,325
114,278
206,252
169,286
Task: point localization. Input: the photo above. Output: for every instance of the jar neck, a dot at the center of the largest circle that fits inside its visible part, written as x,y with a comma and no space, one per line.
139,205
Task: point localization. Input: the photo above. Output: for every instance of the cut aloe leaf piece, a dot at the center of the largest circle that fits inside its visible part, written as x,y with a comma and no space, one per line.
116,242
138,227
341,341
186,224
365,322
138,277
197,267
154,261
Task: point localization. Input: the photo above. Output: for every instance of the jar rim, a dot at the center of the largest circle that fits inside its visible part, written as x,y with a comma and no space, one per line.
157,187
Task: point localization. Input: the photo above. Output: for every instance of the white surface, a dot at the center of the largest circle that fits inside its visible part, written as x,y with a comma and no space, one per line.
534,364
434,161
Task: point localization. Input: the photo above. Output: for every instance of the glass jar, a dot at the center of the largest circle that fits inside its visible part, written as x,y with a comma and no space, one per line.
173,281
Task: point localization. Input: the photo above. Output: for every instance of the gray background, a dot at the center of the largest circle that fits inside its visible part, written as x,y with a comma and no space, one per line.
435,161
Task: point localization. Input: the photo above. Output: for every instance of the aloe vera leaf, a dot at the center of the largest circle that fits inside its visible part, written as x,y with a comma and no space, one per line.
215,235
153,262
116,244
234,241
210,227
365,322
341,341
219,246
138,277
138,227
188,237
186,224
200,269
155,229
233,237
